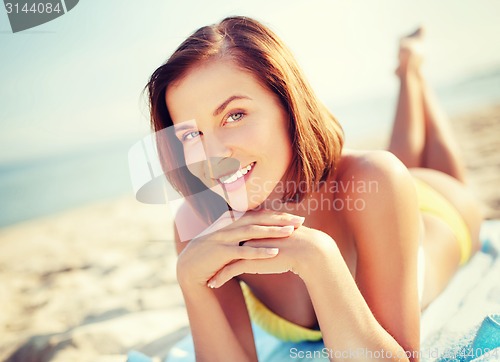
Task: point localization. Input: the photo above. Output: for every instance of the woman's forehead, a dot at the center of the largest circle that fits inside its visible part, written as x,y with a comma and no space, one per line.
204,87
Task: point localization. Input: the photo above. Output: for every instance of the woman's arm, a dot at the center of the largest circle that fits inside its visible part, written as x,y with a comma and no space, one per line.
218,318
219,323
378,312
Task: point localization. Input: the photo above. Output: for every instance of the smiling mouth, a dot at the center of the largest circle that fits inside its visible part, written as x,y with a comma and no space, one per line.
229,179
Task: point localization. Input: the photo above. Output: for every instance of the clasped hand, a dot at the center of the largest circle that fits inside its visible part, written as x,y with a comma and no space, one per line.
259,242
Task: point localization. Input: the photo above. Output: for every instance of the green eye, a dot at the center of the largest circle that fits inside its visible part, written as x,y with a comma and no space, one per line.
190,135
234,117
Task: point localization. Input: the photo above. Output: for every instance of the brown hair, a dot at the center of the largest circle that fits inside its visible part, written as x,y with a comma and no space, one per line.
317,137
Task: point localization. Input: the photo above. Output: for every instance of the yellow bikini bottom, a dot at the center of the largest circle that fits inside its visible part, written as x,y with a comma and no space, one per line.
430,201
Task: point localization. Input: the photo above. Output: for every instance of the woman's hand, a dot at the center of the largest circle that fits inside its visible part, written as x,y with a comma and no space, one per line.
301,252
210,252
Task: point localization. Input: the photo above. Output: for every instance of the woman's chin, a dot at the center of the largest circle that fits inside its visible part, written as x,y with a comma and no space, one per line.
239,205
240,200
244,205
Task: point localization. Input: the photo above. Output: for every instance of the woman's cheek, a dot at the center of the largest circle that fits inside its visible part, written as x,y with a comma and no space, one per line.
194,152
195,157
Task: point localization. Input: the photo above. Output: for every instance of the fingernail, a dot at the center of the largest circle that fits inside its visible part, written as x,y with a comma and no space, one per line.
272,251
211,284
298,219
287,229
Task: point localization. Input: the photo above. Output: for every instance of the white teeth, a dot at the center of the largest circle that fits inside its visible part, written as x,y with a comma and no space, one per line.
238,174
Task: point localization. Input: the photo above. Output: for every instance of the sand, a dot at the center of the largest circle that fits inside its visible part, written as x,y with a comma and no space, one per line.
90,284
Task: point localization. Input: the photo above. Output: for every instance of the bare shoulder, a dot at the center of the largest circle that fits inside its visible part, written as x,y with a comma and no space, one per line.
380,182
370,165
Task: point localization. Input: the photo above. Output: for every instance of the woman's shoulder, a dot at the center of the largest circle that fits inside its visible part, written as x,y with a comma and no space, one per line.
379,185
373,179
370,165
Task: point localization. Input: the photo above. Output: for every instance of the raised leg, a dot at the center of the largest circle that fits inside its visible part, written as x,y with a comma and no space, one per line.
421,136
441,150
407,140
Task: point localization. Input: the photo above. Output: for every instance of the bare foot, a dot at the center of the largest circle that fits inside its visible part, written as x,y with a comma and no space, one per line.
411,51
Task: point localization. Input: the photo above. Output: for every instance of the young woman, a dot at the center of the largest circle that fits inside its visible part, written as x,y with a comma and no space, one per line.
328,243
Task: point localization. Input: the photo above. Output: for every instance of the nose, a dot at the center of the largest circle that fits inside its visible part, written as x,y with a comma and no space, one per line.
215,147
219,161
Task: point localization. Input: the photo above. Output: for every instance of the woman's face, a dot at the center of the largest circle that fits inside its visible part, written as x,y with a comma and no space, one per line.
234,132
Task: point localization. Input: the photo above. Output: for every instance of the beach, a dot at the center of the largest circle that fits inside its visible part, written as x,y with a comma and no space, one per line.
91,283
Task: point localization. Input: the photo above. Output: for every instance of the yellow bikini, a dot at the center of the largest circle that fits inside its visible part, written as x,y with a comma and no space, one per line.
273,323
430,201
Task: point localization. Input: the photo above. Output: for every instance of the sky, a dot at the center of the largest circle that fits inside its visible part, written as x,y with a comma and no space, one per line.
77,80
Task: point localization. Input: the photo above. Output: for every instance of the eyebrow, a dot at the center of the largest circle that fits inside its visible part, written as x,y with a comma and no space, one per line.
226,102
184,126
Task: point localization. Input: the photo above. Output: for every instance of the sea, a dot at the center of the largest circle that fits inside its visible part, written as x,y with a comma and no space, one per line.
50,184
